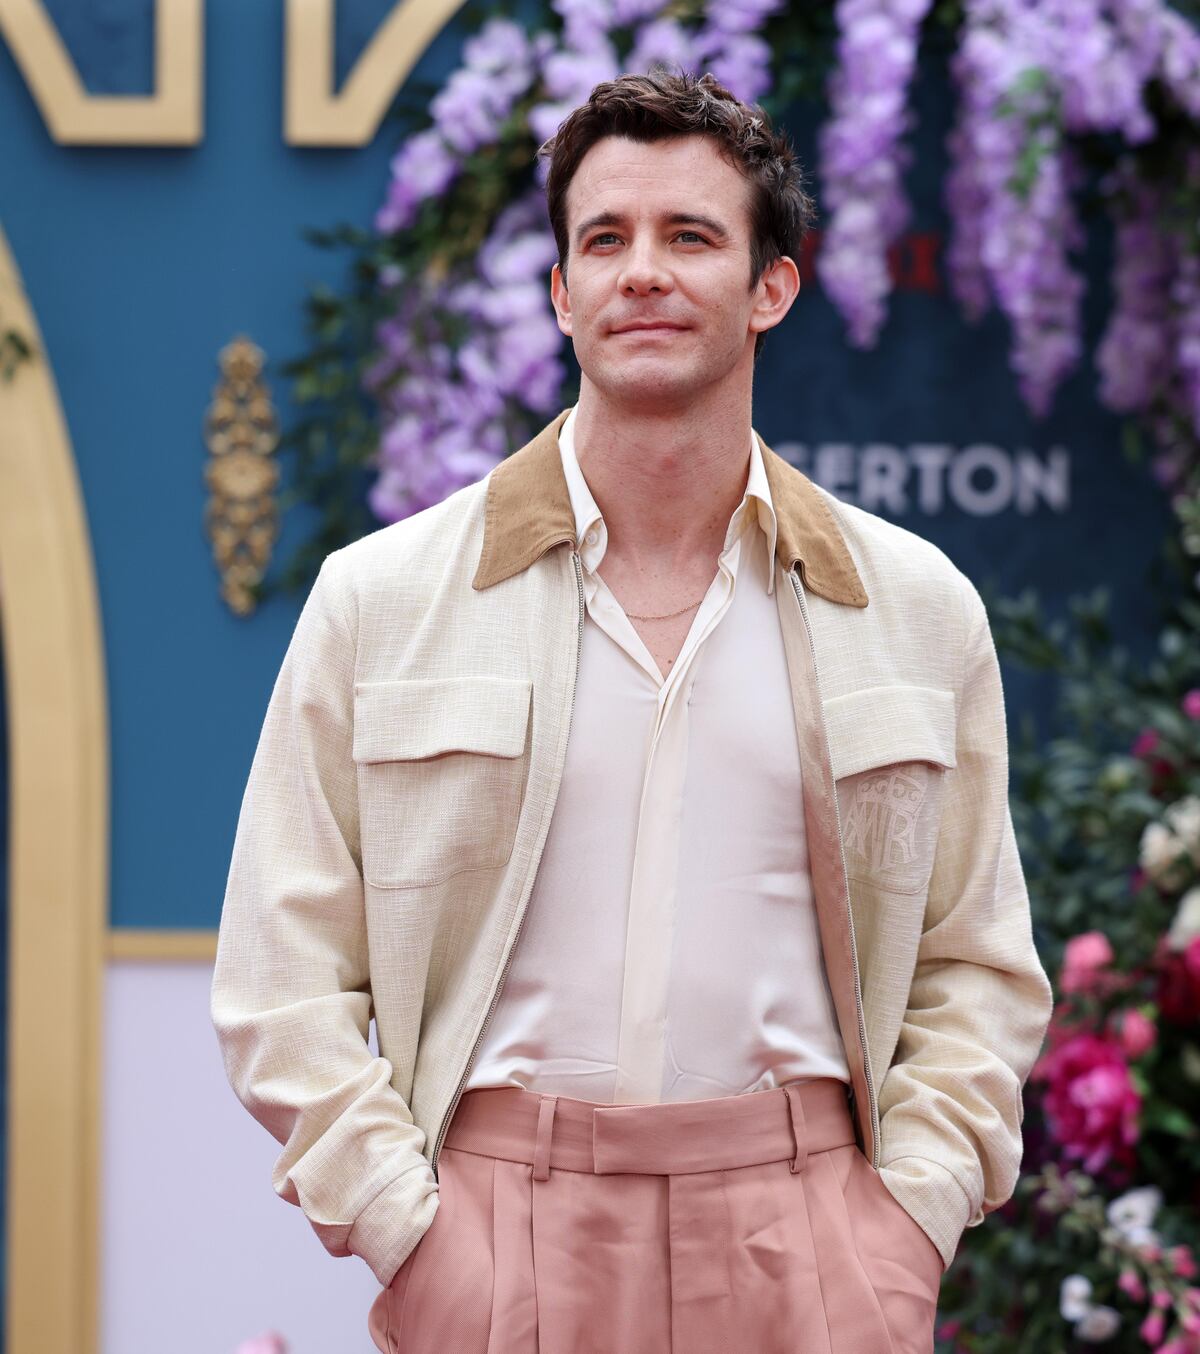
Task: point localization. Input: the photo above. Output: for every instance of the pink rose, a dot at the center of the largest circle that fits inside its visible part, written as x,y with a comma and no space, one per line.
1083,959
1091,1104
1151,1329
1162,1299
1137,1033
1190,705
1144,743
1182,1262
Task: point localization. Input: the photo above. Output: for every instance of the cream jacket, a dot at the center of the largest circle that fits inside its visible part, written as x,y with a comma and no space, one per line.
402,787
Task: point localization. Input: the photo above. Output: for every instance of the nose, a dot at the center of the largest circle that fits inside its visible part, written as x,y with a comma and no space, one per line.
644,271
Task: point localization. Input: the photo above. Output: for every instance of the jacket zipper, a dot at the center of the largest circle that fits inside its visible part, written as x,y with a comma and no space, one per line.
512,949
862,1023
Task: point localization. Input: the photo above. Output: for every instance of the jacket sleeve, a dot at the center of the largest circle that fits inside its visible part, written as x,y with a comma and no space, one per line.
291,995
980,1003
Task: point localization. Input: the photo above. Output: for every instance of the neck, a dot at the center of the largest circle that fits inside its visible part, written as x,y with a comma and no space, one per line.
667,480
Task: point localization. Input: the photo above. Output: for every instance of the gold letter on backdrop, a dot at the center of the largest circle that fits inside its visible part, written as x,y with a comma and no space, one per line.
316,116
172,116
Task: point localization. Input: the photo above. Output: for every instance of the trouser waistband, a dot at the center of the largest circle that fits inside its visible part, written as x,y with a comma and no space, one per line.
678,1137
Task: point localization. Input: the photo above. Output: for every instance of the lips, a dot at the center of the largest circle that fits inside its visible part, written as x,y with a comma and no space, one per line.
659,327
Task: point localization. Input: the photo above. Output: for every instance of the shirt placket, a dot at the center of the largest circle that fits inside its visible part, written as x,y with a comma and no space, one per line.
653,894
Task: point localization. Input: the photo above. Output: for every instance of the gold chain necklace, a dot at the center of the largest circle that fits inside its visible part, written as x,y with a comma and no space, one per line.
633,616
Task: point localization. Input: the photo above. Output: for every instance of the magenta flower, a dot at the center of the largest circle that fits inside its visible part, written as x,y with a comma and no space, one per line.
1137,1033
1092,1107
1144,743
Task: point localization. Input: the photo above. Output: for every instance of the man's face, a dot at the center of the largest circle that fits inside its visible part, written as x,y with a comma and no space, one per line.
659,234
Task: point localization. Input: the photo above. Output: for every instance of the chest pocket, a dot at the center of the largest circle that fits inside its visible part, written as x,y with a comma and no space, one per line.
891,747
442,767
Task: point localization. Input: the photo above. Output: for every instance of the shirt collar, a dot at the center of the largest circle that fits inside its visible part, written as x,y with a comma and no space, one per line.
591,534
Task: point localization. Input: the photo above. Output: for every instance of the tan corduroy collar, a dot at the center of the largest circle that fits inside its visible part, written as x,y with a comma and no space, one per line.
529,510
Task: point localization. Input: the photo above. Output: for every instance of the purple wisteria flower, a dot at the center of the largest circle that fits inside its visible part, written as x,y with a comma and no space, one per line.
446,412
1185,293
730,46
1134,353
1029,76
423,167
570,76
862,160
500,64
1009,106
665,42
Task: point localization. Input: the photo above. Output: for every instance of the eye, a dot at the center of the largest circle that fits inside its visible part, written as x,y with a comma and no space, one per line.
607,235
694,233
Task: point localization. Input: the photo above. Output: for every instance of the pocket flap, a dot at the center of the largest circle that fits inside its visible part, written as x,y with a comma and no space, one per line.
883,724
422,716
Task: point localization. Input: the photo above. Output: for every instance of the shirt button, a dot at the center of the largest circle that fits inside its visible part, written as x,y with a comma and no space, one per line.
592,537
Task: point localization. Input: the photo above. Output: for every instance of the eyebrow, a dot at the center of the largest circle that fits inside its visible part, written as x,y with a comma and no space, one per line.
714,228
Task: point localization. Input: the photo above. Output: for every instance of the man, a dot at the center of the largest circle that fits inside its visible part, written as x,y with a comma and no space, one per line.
655,803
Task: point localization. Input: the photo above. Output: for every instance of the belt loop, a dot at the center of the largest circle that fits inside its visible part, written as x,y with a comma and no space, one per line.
799,1130
541,1151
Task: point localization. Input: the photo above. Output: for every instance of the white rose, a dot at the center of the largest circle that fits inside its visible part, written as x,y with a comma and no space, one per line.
1074,1299
1097,1324
1186,925
1132,1213
1163,856
1183,818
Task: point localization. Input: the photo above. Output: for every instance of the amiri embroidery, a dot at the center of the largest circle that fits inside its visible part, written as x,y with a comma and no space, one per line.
881,824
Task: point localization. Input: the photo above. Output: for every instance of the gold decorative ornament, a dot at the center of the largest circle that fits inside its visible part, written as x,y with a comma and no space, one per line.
242,515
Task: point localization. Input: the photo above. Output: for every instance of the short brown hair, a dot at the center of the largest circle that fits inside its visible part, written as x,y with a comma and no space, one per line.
661,105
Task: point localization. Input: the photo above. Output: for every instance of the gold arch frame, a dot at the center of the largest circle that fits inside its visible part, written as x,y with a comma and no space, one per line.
54,685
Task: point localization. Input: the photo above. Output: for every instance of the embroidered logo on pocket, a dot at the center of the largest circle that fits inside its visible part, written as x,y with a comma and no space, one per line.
889,823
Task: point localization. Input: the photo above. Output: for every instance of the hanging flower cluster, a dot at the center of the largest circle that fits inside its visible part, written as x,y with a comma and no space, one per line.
1029,77
444,404
862,159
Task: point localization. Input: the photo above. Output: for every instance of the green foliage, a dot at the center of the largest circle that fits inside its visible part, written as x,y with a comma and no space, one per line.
1081,802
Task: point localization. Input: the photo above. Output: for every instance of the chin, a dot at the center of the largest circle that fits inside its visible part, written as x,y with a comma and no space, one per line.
651,378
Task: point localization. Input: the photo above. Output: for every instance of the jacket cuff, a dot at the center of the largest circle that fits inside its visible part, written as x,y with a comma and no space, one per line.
933,1197
386,1232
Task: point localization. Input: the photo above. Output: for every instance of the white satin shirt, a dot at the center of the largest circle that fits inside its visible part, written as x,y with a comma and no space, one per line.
670,950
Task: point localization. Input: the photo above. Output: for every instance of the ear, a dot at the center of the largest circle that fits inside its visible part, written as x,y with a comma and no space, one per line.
776,290
562,300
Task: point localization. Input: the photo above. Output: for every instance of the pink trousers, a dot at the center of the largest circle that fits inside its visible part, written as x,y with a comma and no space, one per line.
748,1224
